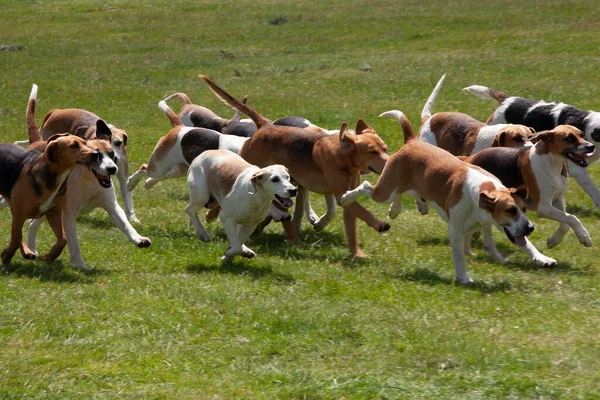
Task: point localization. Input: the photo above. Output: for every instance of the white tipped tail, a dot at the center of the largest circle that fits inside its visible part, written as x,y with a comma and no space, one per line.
173,118
428,108
482,92
33,94
394,114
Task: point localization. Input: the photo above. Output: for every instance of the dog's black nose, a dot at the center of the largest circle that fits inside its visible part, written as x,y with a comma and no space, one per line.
530,229
112,170
293,192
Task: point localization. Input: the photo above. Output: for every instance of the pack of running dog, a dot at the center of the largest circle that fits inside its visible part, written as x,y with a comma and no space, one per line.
475,175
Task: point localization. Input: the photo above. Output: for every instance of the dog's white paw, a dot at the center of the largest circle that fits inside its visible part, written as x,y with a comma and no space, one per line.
464,280
203,235
546,262
585,238
80,265
320,225
226,259
423,207
133,219
345,200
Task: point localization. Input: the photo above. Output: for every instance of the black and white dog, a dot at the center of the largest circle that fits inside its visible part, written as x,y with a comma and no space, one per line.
543,116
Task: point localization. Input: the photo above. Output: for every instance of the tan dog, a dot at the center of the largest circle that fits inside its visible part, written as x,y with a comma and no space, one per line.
321,163
33,183
465,196
541,169
83,123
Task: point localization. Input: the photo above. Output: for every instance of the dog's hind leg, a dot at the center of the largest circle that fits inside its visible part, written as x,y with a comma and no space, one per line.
3,203
56,223
134,179
199,197
176,171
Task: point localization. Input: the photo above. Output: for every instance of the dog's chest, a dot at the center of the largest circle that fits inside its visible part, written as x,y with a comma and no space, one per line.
45,206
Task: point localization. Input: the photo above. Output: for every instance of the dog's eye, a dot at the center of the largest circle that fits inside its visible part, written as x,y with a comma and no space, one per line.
512,210
118,143
571,138
275,179
74,145
111,154
518,139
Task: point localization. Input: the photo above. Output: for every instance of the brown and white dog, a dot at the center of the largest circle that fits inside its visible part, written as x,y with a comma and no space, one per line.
88,187
466,196
542,116
33,184
82,123
318,162
243,191
201,117
541,169
462,135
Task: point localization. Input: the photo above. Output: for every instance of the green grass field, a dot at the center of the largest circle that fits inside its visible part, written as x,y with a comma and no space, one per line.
307,321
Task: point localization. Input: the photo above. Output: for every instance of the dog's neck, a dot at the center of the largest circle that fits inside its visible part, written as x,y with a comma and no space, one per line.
554,162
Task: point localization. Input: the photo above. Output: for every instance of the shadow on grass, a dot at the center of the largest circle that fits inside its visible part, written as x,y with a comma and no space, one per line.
51,272
561,267
240,267
428,277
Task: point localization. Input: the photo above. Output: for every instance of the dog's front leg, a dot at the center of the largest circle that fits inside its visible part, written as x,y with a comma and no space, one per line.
244,232
34,227
120,220
582,176
458,257
559,214
231,229
70,226
56,223
488,244
301,202
126,194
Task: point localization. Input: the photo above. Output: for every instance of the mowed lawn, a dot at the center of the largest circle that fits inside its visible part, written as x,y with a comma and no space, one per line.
305,321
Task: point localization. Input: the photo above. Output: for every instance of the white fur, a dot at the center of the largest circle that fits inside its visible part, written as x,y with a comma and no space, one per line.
243,207
46,205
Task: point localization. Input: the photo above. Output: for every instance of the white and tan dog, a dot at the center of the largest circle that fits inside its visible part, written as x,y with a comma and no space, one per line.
541,169
88,187
465,196
462,135
244,192
177,149
82,123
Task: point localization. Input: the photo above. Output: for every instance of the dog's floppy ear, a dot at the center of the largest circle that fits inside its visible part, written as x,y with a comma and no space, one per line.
520,191
499,139
254,179
544,136
51,152
346,140
487,200
361,126
103,131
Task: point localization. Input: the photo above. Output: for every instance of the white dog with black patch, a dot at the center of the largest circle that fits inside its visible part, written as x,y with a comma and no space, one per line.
543,116
243,191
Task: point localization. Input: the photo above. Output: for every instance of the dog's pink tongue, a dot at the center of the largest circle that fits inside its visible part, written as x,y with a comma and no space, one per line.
520,241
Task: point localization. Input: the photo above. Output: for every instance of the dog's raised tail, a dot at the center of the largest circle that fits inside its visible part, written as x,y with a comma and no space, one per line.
484,92
173,118
428,108
181,96
258,119
399,116
32,127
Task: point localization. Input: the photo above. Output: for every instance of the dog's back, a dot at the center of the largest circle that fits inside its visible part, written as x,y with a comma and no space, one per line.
502,162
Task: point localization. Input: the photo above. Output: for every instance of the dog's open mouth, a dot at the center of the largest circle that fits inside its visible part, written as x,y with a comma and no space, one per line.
103,180
519,240
579,159
285,202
